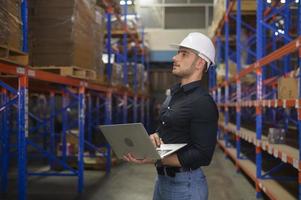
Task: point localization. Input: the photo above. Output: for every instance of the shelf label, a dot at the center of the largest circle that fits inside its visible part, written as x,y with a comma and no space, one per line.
284,157
275,153
297,43
270,150
284,103
269,103
264,147
297,103
296,163
31,73
20,70
83,83
276,103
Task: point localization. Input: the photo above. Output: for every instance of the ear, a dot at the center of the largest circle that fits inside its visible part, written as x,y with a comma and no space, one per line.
201,64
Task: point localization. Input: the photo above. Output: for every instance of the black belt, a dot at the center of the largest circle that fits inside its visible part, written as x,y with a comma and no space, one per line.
171,171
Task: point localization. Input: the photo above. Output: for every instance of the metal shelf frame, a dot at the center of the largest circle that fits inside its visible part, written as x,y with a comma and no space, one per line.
233,95
93,104
83,92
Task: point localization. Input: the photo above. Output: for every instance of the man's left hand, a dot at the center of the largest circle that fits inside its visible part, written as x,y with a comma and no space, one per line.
130,158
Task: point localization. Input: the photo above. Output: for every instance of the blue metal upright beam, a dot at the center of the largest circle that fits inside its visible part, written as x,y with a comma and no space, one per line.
90,118
52,125
238,82
259,55
142,106
65,125
109,47
148,114
125,108
227,71
24,14
125,49
219,56
108,108
135,70
108,120
97,112
22,136
219,59
81,128
299,109
287,25
135,108
142,57
5,143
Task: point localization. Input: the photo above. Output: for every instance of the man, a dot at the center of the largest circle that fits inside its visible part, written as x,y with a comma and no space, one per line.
189,116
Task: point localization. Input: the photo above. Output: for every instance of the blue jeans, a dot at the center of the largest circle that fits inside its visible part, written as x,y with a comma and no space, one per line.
190,185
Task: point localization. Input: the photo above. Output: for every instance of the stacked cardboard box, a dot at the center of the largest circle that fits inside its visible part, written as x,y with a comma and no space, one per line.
11,24
99,42
64,33
288,86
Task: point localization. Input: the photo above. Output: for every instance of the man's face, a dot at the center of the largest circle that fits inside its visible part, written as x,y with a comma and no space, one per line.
184,63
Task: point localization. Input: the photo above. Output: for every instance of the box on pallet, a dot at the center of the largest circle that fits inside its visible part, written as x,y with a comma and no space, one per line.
11,24
288,86
65,33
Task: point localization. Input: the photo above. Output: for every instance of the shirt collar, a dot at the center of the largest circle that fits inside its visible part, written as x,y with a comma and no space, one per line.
186,88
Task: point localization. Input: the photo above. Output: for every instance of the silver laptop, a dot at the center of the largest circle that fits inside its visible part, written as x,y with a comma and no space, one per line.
133,138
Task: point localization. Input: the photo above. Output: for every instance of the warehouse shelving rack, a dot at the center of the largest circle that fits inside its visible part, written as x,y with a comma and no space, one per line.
128,101
92,104
260,99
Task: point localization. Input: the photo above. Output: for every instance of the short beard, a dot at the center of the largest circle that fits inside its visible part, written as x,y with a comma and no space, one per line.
192,66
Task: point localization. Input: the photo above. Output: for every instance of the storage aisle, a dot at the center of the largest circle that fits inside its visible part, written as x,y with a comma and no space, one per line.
135,182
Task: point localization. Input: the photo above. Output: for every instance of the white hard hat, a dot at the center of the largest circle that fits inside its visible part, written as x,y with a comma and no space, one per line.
200,43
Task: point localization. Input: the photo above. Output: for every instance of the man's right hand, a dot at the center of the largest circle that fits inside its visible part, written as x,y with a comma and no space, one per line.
156,140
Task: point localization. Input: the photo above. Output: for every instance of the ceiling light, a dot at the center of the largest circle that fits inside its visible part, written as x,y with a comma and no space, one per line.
276,33
122,2
282,1
129,2
269,1
297,1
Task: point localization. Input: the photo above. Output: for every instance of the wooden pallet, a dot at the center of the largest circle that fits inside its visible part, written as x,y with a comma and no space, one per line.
12,55
72,71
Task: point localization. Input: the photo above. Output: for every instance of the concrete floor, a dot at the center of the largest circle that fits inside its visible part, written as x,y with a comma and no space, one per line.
135,182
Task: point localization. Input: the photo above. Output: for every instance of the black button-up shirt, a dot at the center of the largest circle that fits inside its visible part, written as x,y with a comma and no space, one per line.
190,116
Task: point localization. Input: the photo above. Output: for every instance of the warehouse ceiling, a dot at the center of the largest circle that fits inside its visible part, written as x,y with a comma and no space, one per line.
171,14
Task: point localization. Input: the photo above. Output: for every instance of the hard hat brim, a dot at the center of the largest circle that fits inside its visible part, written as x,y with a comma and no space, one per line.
176,46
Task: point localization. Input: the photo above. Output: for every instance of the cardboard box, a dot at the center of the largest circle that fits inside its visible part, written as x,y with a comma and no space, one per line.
64,33
11,24
287,88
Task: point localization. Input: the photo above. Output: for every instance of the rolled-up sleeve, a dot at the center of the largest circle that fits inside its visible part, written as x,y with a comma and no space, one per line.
203,132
